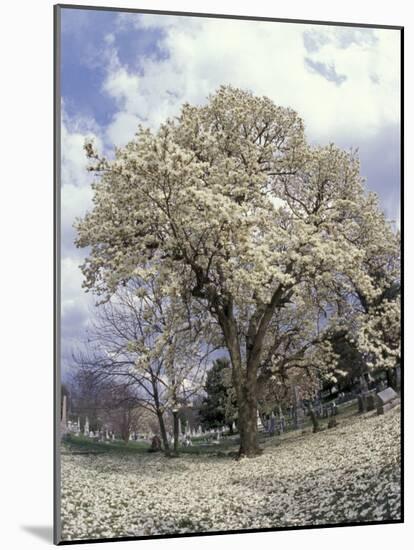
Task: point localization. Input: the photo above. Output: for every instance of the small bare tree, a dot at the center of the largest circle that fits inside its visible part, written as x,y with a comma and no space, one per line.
142,340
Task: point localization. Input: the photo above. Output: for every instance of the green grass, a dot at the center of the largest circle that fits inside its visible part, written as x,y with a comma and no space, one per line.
82,444
225,444
201,446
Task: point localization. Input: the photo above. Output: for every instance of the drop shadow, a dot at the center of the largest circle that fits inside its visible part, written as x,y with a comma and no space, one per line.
43,532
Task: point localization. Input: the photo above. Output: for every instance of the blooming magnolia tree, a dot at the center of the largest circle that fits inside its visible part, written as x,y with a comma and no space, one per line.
234,209
377,322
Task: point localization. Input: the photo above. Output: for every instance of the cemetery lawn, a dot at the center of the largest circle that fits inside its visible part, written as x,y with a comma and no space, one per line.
347,474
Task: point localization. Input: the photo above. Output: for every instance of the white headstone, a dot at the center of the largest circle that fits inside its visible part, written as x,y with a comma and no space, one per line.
387,395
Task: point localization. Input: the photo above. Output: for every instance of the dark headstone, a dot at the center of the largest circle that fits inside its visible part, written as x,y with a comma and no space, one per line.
366,402
155,444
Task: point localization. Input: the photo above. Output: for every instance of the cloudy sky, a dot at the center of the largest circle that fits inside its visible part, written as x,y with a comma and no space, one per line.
121,69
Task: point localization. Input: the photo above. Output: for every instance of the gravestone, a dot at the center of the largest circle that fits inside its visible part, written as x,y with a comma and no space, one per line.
155,444
387,400
260,427
86,427
366,401
370,401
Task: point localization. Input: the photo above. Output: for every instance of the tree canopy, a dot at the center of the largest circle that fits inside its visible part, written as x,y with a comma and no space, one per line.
233,210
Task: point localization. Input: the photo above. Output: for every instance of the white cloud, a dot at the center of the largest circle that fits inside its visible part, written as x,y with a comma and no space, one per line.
267,58
76,192
123,87
75,202
71,281
76,198
74,131
73,159
76,308
122,127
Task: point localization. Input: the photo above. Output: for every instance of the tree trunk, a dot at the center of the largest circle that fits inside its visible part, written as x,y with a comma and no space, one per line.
176,434
245,379
125,428
247,407
248,430
245,384
125,436
160,417
163,431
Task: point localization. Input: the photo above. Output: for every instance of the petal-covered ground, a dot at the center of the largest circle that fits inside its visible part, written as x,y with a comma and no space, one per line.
347,474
